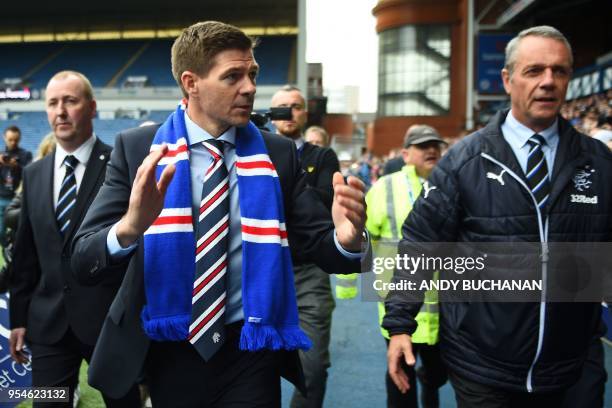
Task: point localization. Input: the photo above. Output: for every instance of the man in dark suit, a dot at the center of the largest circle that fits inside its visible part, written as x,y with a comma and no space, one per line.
319,163
312,285
214,65
56,316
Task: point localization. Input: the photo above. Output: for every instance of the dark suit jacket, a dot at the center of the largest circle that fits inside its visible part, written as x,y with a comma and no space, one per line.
45,297
320,164
122,348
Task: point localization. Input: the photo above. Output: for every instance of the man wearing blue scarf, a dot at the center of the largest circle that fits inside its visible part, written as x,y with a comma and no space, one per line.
148,217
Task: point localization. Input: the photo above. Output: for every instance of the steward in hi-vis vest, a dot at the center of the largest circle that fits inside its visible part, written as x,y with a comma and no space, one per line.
389,202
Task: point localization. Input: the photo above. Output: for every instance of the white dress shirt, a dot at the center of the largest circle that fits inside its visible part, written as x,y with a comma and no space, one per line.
517,135
59,168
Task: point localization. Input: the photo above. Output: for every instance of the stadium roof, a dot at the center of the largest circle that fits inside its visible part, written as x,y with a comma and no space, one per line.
76,19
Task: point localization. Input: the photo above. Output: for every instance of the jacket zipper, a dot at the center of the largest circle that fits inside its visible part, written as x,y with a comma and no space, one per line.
543,230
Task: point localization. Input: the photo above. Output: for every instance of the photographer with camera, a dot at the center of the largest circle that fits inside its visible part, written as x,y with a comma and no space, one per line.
12,161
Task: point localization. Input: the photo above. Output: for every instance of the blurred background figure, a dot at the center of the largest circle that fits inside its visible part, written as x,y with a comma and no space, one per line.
317,136
12,161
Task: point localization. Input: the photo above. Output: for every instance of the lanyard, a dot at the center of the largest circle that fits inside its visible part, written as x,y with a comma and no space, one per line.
411,196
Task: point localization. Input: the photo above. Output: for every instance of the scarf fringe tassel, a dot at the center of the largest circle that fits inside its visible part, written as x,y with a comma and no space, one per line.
172,328
258,337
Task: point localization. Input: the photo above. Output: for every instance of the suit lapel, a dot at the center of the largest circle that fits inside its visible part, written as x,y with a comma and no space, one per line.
46,188
96,167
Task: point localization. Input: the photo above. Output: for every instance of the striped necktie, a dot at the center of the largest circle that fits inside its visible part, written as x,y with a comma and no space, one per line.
537,171
207,327
67,194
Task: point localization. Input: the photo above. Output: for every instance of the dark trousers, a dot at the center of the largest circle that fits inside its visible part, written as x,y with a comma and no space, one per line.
589,391
178,377
58,365
315,306
431,373
470,394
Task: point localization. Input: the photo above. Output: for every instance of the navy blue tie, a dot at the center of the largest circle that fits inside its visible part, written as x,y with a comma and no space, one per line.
67,194
537,171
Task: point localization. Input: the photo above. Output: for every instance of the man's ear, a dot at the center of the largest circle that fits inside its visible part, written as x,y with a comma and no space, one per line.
406,155
189,81
94,106
505,74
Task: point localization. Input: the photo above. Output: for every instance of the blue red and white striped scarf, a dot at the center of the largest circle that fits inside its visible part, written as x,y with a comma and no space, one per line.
268,293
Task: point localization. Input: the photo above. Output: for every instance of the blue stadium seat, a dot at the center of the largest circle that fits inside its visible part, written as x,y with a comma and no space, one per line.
98,60
34,126
273,54
153,63
20,58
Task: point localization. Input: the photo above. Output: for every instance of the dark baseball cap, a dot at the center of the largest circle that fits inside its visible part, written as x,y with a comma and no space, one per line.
418,134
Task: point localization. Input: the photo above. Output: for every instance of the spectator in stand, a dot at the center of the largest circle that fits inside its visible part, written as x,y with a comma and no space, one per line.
12,162
603,130
590,121
585,113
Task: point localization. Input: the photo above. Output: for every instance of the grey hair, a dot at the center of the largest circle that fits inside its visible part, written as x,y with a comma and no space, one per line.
538,31
290,88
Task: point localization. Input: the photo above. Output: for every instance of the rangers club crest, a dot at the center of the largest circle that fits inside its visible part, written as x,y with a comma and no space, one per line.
582,180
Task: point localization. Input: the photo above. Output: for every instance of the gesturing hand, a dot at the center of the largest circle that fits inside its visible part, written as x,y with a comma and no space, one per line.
349,211
400,346
146,198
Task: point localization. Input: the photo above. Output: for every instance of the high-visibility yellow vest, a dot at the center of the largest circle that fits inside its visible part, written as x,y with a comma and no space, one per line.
389,202
346,286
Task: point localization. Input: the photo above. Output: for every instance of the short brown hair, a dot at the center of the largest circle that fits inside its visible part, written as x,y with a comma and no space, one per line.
87,88
13,129
198,45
